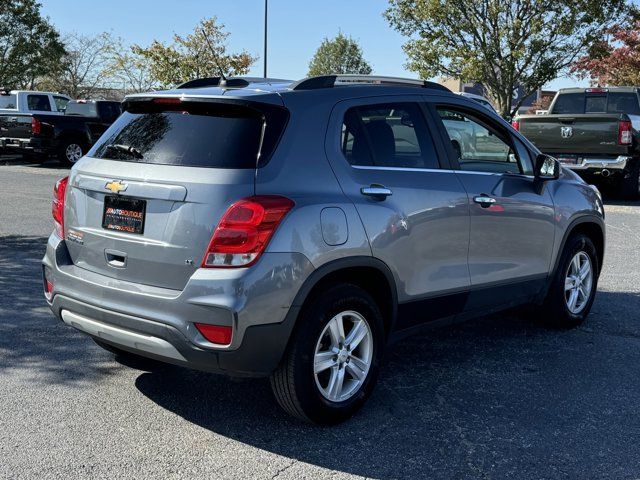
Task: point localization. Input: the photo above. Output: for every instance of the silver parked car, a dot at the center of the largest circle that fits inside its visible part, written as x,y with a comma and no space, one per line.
295,229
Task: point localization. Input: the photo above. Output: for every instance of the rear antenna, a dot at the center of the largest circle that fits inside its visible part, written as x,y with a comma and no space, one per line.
223,79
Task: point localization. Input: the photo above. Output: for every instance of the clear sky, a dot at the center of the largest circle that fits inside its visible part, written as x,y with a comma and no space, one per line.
296,27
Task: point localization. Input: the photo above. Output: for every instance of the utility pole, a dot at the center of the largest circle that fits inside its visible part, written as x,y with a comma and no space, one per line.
265,37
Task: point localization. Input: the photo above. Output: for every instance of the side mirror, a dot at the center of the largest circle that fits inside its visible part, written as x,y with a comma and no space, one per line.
547,168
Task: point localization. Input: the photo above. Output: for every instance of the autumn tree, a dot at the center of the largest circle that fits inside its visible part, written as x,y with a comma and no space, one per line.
30,47
202,53
341,54
130,71
615,60
501,44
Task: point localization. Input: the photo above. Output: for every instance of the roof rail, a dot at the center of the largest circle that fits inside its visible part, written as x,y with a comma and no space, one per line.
214,82
232,82
330,81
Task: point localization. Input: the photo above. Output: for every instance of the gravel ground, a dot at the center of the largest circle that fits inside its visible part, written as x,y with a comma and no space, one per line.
495,398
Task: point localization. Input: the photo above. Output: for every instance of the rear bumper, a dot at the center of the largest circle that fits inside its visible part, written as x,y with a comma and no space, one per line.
159,323
27,145
599,164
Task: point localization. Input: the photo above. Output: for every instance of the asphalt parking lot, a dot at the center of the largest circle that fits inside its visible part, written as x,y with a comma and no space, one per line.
500,397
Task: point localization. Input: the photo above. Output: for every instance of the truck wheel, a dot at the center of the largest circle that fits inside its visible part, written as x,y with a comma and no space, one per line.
331,365
71,150
630,183
574,285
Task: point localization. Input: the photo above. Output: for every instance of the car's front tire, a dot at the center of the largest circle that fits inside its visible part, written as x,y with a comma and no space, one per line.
331,365
574,285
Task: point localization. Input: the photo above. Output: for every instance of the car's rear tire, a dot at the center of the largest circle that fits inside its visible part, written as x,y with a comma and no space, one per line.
630,182
327,374
70,151
574,285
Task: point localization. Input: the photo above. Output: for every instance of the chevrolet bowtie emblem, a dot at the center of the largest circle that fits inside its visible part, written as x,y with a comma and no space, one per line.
116,186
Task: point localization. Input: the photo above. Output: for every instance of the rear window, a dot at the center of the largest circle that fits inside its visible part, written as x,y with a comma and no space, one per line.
82,109
8,101
612,102
194,134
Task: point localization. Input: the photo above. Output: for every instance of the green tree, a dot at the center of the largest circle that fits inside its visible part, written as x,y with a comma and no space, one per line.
502,44
30,47
341,54
197,55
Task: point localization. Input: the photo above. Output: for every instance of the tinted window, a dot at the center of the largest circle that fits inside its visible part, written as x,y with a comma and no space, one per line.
478,146
198,135
61,103
8,101
109,110
595,104
569,103
388,135
612,102
82,109
38,103
623,103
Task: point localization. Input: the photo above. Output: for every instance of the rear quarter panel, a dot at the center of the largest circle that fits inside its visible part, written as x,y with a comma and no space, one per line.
300,170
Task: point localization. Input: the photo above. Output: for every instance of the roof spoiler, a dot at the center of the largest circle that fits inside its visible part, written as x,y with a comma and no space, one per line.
331,81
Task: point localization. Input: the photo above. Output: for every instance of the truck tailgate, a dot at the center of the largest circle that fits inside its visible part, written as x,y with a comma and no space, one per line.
15,125
574,134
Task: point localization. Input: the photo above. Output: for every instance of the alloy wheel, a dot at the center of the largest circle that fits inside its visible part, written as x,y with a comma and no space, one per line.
578,283
343,356
73,152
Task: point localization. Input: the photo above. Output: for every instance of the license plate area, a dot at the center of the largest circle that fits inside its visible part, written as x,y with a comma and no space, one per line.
124,214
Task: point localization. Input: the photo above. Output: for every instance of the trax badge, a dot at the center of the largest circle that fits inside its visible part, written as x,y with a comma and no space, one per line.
116,186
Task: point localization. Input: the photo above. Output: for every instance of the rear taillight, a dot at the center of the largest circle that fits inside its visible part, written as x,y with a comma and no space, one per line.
36,126
244,231
516,124
57,208
219,334
625,133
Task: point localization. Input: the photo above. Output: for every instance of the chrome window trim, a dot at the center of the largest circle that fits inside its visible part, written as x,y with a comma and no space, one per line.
402,169
438,170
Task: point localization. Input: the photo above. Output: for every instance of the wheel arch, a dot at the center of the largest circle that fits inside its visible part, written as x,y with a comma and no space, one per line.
589,225
369,273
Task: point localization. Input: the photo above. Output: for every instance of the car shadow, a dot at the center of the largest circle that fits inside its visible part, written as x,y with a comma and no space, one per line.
483,399
496,397
30,337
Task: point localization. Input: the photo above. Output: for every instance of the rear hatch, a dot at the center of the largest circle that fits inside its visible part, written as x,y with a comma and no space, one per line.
582,134
143,204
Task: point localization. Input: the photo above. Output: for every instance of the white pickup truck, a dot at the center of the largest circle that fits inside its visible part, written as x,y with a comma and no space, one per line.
23,101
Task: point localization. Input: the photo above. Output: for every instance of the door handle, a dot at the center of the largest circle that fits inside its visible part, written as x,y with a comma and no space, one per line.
485,201
379,192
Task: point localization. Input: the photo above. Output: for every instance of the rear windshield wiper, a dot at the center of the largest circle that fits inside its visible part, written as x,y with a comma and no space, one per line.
133,151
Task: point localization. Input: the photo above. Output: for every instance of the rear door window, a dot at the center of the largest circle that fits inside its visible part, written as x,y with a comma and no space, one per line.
388,135
199,134
38,103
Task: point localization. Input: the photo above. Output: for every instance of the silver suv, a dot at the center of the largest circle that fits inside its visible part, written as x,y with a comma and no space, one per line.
295,229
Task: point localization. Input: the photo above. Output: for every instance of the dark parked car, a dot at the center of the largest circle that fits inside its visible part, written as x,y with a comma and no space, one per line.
593,131
68,136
